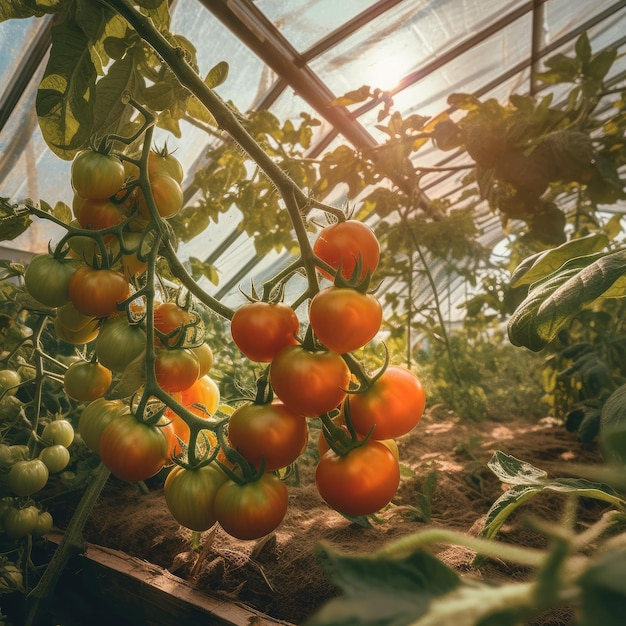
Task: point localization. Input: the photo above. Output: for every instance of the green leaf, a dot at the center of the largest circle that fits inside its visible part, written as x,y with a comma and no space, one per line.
583,49
65,97
512,471
601,64
217,75
353,97
381,591
613,426
554,302
464,101
19,9
603,587
62,212
200,269
540,265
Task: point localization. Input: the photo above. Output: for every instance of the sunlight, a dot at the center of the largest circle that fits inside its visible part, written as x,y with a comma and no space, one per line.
385,73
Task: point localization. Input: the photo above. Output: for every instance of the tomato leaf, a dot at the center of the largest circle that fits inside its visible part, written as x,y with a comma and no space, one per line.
379,590
512,471
555,301
217,75
14,9
66,93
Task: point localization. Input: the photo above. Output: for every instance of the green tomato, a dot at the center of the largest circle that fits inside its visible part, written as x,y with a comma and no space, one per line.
19,452
27,477
119,343
43,525
21,522
94,419
6,458
58,432
9,380
56,458
47,279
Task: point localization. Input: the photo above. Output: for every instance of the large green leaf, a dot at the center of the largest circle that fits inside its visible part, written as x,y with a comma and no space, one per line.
381,591
17,9
528,480
555,301
66,94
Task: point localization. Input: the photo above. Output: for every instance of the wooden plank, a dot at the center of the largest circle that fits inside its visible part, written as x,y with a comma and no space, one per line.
110,584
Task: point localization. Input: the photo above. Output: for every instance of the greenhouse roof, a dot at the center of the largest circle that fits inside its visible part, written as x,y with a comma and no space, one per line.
300,56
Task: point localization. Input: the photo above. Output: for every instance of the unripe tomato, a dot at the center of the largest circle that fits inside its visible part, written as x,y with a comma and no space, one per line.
96,175
204,354
190,495
56,458
47,279
9,380
85,381
72,319
168,197
58,432
119,343
94,419
43,525
77,337
163,162
19,523
27,477
254,509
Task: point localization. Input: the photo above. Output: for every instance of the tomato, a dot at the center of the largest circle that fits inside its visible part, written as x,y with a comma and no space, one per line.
176,369
204,354
393,405
190,495
56,458
251,510
119,343
77,337
344,243
260,329
9,381
163,162
96,175
95,417
203,393
168,197
47,279
311,383
73,320
96,292
43,525
271,432
96,214
58,432
345,319
133,450
27,477
21,522
361,482
6,458
168,317
85,381
19,452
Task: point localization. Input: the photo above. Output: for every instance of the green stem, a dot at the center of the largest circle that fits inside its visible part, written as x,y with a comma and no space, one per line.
72,543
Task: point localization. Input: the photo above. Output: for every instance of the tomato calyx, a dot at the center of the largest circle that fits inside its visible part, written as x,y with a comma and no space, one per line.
248,473
342,440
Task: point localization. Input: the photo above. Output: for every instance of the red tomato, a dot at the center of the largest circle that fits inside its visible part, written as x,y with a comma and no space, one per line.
310,383
96,214
360,483
131,449
344,243
254,509
345,319
176,369
260,330
85,381
168,317
272,432
168,197
97,292
97,175
393,405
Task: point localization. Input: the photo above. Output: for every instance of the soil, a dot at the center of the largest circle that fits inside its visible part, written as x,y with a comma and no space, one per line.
280,576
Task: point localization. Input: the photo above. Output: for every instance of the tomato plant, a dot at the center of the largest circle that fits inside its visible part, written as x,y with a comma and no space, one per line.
360,482
190,495
176,369
261,329
271,432
119,343
96,175
47,279
392,406
95,417
131,449
27,477
97,292
346,243
311,383
86,380
345,319
59,432
254,509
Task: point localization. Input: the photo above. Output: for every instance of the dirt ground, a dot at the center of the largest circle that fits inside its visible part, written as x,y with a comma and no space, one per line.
280,576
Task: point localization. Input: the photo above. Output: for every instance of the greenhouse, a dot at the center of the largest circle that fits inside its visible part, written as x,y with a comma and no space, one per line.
312,312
